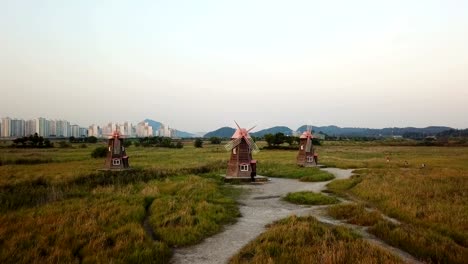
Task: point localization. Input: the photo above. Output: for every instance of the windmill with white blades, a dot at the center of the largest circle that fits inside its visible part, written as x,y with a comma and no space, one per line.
306,156
241,147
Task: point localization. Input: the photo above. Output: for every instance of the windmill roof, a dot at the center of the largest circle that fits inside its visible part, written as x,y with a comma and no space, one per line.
307,134
240,133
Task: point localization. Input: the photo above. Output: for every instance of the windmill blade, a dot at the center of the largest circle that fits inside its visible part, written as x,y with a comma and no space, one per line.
233,143
251,129
237,125
308,147
253,145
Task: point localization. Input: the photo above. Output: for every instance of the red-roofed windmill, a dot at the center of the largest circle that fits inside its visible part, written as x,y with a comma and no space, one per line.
306,154
241,147
117,158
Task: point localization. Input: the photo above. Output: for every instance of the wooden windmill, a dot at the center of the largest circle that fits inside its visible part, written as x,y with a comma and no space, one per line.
306,154
116,158
241,147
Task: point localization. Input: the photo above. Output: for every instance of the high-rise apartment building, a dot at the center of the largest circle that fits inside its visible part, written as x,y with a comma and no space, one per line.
94,131
143,129
17,128
62,128
42,127
6,127
30,127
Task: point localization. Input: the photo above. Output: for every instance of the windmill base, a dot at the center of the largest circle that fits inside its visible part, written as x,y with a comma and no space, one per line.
257,178
120,169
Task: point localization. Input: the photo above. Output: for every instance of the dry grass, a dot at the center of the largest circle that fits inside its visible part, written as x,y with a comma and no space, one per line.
104,227
355,214
305,240
431,201
66,212
43,191
185,212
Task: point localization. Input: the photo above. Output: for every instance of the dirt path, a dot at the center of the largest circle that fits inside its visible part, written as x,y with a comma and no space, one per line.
260,206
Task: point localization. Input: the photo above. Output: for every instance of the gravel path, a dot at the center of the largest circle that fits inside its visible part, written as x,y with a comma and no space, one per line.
260,206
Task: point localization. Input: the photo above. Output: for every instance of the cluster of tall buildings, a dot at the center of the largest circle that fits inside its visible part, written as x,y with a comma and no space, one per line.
166,131
13,128
142,129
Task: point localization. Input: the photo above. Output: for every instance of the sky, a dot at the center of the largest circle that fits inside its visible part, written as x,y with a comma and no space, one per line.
199,65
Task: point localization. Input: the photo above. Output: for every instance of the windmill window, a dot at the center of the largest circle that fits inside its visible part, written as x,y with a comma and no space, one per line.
116,162
234,151
310,159
302,147
244,167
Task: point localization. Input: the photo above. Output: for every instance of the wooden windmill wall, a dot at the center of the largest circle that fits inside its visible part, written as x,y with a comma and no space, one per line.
240,163
305,157
116,155
241,147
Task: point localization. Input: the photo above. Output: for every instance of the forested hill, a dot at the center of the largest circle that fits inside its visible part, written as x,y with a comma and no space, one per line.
374,132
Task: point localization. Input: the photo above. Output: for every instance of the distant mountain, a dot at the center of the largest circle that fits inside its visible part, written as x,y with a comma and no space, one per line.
273,130
157,125
374,132
183,134
224,132
453,133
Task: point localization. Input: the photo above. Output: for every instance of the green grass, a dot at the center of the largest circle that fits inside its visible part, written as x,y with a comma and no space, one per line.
293,171
305,240
310,198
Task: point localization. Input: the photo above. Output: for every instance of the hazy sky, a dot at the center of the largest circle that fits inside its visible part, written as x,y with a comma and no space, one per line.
198,65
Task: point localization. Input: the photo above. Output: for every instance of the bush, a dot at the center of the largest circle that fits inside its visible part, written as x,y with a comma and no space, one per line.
310,198
215,140
127,143
99,152
198,143
64,144
91,139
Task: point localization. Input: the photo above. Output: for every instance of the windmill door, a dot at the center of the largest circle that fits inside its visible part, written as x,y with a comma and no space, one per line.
253,165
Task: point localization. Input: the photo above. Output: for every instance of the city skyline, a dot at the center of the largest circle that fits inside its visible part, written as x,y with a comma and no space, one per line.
53,128
44,126
200,65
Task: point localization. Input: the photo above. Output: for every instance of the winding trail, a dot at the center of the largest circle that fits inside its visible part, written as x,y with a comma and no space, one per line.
260,206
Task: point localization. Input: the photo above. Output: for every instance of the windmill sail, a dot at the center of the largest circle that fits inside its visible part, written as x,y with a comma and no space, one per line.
233,143
252,145
308,147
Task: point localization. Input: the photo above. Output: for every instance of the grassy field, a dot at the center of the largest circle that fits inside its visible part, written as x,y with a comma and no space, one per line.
431,201
55,206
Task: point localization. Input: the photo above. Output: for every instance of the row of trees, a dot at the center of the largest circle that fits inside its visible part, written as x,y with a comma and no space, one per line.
91,139
32,141
164,142
280,138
